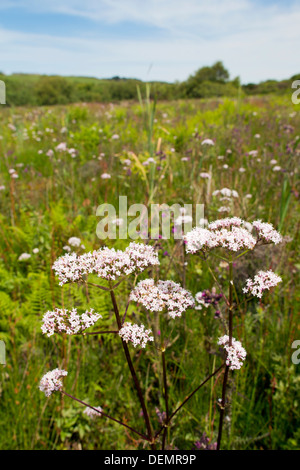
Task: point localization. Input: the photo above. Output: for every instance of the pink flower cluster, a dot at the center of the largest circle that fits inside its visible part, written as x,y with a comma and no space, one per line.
165,295
69,322
92,413
266,232
198,239
228,222
262,281
230,233
51,382
200,301
71,267
107,263
236,354
135,334
226,193
236,239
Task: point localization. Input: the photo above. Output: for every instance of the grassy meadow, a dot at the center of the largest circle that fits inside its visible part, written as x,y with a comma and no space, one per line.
50,192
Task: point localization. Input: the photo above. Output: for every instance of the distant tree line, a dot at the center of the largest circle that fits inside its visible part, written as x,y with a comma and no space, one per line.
207,82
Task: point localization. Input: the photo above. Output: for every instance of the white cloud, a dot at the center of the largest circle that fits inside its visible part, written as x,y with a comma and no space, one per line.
255,42
156,12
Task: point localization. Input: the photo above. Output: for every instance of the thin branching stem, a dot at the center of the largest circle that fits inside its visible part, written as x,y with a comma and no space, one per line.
126,309
165,394
96,332
222,407
106,415
187,399
97,285
133,373
226,373
241,254
216,281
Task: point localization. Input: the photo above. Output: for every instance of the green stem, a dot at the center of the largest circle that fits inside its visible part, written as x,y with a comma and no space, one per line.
244,252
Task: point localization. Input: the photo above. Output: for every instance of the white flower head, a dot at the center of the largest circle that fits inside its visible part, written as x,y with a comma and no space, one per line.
74,241
62,147
68,321
205,175
135,334
51,382
107,263
262,281
94,412
165,295
24,257
236,354
207,142
266,232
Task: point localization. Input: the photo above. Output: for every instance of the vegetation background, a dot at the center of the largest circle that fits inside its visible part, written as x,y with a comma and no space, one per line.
207,82
55,197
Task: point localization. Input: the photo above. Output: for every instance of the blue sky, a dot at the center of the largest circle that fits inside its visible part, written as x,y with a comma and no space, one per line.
150,39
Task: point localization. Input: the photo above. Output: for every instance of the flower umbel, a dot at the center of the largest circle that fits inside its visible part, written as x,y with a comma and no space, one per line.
92,413
230,233
236,354
164,295
51,382
266,232
68,321
262,281
107,263
136,334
